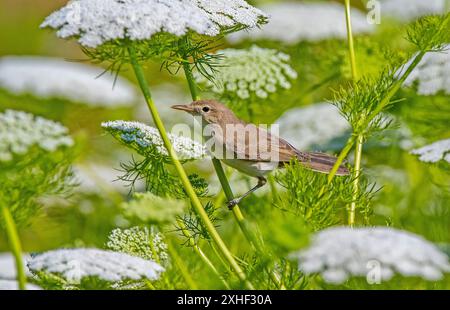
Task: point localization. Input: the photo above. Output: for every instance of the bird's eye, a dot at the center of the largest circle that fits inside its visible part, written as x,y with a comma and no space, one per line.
205,109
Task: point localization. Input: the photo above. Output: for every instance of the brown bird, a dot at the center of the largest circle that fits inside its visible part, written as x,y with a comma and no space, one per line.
248,148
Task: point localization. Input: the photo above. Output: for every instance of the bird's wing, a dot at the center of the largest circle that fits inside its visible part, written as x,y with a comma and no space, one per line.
257,144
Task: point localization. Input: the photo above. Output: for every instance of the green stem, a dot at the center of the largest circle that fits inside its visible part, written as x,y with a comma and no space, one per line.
182,267
249,235
190,79
16,248
383,103
340,159
220,199
273,188
239,217
212,267
359,138
351,47
199,252
357,169
396,86
181,173
218,255
229,194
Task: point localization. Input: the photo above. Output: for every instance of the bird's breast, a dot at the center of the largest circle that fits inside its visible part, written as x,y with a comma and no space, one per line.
251,168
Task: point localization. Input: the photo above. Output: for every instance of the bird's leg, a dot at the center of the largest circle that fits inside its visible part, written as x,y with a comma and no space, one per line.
261,182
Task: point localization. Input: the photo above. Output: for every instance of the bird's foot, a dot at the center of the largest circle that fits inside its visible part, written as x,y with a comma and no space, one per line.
232,203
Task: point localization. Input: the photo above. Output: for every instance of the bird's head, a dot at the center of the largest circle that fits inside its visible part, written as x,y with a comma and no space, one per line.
211,111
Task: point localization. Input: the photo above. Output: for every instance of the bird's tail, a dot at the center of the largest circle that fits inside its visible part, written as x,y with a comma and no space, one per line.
320,162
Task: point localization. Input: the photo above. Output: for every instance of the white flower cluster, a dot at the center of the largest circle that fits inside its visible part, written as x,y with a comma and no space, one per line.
431,73
312,125
258,71
19,131
145,139
45,77
434,152
75,264
98,21
291,22
13,285
411,9
141,242
341,252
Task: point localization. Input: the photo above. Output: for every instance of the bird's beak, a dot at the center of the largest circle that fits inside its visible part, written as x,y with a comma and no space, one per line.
183,107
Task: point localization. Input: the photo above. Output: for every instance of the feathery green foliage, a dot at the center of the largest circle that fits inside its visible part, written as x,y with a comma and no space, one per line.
303,196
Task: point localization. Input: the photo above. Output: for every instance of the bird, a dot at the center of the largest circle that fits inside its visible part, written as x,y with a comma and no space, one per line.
248,148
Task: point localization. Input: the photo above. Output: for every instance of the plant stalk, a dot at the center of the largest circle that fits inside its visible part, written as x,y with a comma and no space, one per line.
340,159
357,170
190,79
396,86
383,103
273,187
199,252
182,267
180,170
16,248
351,47
359,138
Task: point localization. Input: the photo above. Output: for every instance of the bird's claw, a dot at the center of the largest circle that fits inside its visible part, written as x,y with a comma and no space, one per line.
232,203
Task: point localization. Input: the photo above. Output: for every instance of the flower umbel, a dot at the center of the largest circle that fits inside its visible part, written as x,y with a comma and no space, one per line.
256,71
146,140
19,131
95,22
431,74
139,241
341,252
46,77
411,9
434,152
75,264
291,22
